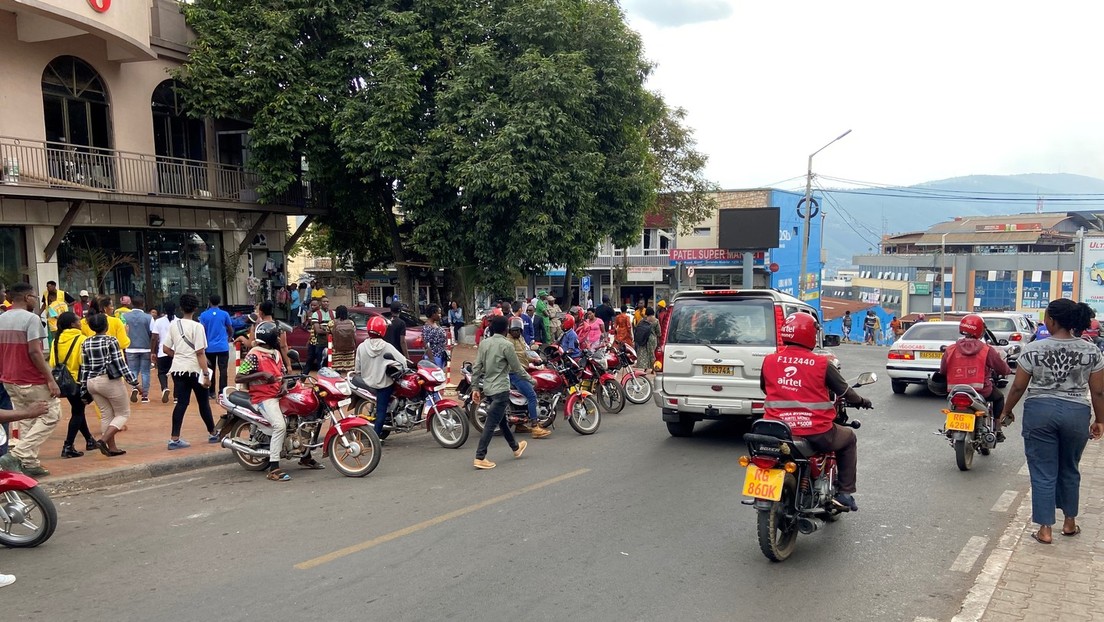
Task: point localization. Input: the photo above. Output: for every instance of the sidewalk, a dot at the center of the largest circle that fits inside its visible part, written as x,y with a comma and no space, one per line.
146,440
1035,582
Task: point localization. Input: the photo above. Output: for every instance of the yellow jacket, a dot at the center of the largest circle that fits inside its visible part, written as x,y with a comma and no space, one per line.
115,328
70,337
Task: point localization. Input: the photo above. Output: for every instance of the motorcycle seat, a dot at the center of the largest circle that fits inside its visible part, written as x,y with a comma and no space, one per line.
240,398
803,448
359,382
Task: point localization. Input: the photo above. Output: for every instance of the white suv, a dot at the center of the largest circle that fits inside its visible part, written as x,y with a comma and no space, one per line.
711,361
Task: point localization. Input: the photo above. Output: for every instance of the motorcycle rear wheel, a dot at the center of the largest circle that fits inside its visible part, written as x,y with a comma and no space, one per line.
964,454
777,536
356,463
450,428
241,431
38,514
585,416
638,389
611,397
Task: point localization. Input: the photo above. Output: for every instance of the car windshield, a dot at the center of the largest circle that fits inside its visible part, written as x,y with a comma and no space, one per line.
723,322
932,332
1000,324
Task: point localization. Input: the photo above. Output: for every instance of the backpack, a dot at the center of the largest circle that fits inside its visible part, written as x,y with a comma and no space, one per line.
344,335
641,333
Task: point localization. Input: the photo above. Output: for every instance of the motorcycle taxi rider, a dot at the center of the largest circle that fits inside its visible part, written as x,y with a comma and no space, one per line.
517,326
799,393
973,362
377,369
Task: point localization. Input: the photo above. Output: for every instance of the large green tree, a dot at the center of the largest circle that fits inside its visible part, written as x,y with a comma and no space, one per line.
490,136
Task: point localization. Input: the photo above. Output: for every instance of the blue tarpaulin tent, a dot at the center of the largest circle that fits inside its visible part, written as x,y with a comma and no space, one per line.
835,327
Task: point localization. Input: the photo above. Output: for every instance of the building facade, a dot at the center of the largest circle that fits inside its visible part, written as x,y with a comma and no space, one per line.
107,183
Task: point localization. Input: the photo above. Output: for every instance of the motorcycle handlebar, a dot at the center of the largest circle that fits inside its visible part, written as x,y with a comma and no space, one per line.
854,423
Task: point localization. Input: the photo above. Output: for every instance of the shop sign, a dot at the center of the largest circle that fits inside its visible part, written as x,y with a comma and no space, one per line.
642,274
1009,226
711,257
100,6
919,288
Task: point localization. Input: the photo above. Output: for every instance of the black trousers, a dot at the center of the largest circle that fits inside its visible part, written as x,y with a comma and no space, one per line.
184,386
77,421
844,442
221,360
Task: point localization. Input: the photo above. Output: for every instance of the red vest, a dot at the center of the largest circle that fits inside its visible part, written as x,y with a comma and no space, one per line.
797,392
271,362
968,369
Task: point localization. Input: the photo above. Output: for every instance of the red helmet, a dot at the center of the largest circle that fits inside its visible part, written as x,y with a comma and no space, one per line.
377,326
800,329
972,326
568,322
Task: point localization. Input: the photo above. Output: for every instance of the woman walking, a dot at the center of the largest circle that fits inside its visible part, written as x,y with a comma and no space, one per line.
646,338
436,342
102,369
344,341
67,351
186,343
1063,377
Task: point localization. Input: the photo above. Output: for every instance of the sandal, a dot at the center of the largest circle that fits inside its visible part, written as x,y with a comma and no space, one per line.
116,452
312,464
277,475
1035,535
1076,530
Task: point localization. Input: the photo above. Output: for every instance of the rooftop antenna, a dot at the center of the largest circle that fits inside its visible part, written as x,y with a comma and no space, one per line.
1039,206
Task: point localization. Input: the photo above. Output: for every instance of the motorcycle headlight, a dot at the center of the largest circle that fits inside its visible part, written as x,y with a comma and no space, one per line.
439,375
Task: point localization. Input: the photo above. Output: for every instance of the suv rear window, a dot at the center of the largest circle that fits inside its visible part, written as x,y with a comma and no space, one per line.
739,322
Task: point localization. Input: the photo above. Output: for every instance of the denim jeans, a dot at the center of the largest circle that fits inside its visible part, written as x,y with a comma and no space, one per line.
1055,433
526,388
496,418
383,398
139,363
316,358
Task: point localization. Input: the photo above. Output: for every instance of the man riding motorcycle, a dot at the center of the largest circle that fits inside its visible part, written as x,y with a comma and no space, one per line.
372,366
972,362
517,326
799,385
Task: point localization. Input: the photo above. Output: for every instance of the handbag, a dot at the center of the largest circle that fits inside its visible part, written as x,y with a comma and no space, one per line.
67,386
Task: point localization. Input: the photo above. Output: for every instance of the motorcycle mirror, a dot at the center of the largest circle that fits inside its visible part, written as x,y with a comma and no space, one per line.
867,377
1002,342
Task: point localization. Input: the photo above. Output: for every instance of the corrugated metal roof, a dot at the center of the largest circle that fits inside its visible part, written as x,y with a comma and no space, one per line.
1044,220
982,237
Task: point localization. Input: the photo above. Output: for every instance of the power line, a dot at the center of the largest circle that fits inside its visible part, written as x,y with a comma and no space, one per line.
848,219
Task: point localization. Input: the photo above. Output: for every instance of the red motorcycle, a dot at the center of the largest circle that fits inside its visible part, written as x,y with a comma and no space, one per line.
596,378
27,516
557,377
621,358
415,402
351,443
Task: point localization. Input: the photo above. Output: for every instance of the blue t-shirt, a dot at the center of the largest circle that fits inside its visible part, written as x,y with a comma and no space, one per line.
216,322
570,343
527,329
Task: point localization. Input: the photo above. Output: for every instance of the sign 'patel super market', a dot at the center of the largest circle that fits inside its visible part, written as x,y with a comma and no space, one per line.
710,257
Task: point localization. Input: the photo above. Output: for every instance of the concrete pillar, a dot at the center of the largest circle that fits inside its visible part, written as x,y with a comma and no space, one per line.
40,269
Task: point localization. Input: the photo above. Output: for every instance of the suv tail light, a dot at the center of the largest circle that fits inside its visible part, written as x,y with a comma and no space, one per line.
779,320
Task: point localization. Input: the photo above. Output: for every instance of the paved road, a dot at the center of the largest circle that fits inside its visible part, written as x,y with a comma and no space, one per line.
627,524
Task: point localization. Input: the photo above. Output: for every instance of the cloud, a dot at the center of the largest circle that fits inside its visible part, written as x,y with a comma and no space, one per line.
675,13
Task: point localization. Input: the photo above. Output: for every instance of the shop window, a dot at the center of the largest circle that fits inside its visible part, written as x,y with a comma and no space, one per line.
702,232
13,256
994,290
1036,289
179,142
77,120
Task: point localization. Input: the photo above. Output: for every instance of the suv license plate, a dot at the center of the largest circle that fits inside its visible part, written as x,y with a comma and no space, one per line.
717,370
764,483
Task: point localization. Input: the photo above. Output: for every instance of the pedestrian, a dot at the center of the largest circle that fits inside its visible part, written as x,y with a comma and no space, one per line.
103,367
870,327
317,291
606,311
663,315
847,321
54,303
319,320
896,330
264,313
638,314
139,327
646,338
526,323
124,308
304,305
622,328
555,316
115,326
186,343
530,330
153,314
9,416
455,320
433,334
494,362
542,327
396,330
159,356
1063,377
27,379
296,302
81,306
344,341
219,332
592,329
67,351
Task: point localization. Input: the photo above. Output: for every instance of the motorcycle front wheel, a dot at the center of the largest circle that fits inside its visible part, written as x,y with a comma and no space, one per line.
242,431
585,416
611,397
964,454
450,428
362,454
778,534
29,518
638,389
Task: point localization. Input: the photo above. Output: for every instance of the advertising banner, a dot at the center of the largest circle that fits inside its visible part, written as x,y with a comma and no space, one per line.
1092,280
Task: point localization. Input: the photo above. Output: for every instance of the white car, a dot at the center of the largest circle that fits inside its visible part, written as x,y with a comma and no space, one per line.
917,354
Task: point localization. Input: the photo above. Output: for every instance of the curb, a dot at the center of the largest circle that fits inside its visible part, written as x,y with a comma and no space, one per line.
133,473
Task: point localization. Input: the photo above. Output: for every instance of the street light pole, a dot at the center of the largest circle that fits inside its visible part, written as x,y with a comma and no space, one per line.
808,216
943,278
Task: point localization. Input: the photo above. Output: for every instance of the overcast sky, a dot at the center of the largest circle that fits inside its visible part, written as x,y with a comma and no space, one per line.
931,90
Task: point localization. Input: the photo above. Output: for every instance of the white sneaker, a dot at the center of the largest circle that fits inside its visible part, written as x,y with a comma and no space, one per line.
6,579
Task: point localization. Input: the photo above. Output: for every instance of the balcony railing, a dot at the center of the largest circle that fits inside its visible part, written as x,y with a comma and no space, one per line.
61,165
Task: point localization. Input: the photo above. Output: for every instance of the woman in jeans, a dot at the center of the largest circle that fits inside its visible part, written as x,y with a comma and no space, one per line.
68,344
436,341
102,369
455,320
186,343
1063,377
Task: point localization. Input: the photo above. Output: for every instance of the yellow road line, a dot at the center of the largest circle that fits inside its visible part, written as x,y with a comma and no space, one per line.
437,520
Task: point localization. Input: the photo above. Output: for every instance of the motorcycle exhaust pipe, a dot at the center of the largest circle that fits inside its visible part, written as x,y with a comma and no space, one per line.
808,524
990,438
234,445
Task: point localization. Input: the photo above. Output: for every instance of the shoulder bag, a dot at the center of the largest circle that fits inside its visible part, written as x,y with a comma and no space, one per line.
67,386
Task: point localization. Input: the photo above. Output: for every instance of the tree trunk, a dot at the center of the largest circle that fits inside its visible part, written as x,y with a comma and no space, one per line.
406,289
566,292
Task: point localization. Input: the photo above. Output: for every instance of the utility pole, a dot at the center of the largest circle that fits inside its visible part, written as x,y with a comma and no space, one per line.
808,217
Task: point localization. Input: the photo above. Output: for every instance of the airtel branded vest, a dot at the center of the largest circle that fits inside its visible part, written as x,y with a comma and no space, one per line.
797,392
267,361
965,368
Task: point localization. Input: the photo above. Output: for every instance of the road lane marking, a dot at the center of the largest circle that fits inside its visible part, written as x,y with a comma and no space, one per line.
1005,501
437,520
977,600
966,559
925,620
1023,470
154,487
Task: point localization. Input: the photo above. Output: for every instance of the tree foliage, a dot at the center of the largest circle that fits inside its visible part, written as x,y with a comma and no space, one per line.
686,195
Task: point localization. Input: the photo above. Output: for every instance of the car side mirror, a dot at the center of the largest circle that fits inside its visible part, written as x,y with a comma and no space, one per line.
1002,342
831,341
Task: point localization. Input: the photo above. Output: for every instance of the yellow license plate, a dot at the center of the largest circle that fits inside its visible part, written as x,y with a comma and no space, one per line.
764,483
717,370
962,422
931,355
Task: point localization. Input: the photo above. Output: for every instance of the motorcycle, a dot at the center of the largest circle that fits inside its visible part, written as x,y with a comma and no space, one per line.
968,425
350,443
415,402
791,486
27,516
597,379
557,378
622,358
